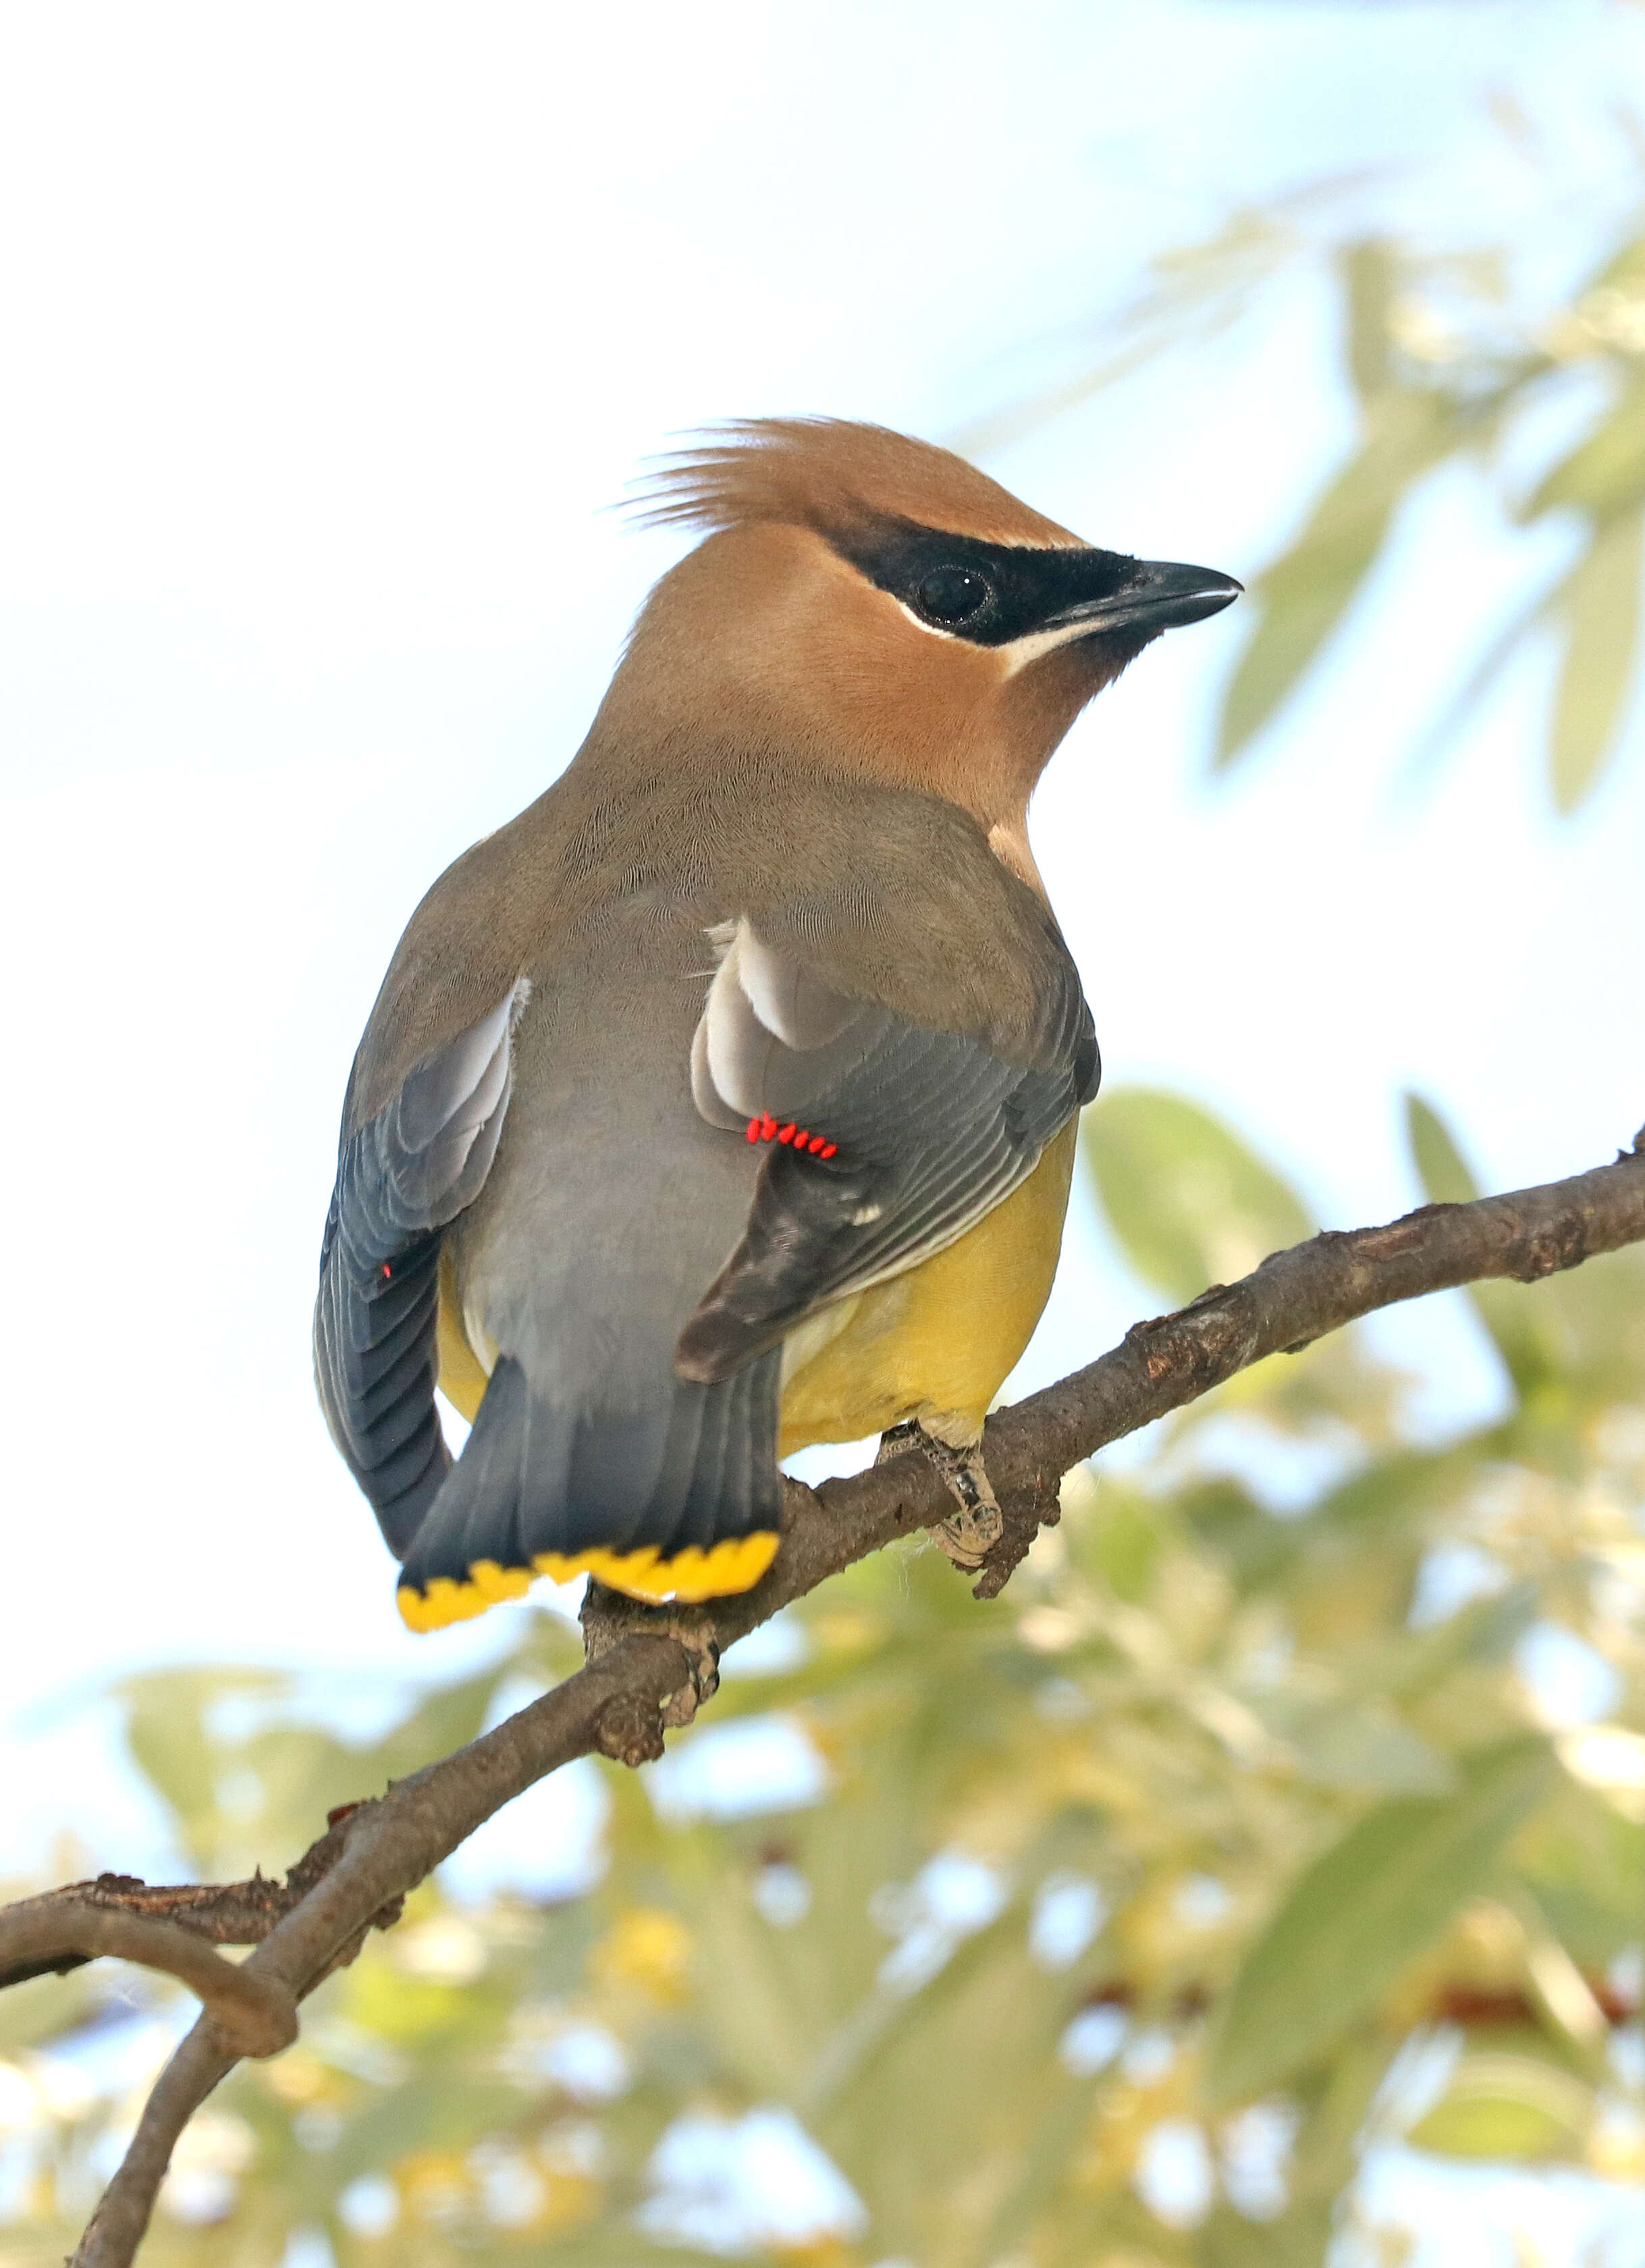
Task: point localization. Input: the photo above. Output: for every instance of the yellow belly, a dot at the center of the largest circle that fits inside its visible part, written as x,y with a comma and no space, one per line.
462,1376
939,1343
936,1344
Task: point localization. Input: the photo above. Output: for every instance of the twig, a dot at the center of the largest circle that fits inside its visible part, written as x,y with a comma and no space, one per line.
390,1846
616,1703
254,2015
221,1913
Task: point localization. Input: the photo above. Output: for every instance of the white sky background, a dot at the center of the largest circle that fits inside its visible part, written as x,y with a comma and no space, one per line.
330,333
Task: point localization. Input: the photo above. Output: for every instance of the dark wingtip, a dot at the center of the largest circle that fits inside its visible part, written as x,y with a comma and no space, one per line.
713,1347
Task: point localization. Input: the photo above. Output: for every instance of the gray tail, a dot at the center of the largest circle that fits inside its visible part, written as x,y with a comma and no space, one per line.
679,1499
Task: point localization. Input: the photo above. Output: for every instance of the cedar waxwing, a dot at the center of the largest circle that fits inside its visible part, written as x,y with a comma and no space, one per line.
725,1101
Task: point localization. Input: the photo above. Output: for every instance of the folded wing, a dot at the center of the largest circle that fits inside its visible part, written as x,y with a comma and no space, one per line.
401,1179
887,1141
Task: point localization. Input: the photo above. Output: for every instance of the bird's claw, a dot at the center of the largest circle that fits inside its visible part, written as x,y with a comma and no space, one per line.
608,1616
693,1631
969,1534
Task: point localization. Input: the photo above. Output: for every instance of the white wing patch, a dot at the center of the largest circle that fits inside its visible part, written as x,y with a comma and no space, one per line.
766,1020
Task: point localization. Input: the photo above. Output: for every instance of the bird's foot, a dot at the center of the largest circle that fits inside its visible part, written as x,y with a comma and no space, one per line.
608,1616
968,1534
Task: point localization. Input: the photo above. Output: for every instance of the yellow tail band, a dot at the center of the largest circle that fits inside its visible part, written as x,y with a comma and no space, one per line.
690,1576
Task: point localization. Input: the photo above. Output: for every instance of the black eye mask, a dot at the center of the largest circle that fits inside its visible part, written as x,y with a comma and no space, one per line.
995,593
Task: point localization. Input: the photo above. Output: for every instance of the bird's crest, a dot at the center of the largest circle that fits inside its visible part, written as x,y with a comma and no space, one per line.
831,475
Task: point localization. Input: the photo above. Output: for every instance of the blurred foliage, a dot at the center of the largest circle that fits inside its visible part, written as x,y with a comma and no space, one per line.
1448,363
1442,369
1245,1833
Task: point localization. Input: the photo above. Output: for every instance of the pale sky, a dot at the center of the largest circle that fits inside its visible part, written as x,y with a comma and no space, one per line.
332,335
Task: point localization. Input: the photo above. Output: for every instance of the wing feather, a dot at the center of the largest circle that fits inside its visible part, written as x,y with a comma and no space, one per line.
930,1130
401,1179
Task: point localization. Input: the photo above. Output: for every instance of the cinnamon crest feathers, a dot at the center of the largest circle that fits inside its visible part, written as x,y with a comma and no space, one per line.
784,888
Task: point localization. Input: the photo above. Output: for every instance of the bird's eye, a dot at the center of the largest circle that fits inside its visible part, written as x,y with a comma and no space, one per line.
953,594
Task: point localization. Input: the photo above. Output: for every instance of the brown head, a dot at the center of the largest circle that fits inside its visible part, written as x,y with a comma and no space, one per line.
873,605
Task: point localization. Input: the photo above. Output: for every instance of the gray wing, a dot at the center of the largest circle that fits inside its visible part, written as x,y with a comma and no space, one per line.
401,1179
887,1141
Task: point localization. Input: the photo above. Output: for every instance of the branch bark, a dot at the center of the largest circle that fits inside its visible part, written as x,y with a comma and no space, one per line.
254,2015
643,1661
222,1914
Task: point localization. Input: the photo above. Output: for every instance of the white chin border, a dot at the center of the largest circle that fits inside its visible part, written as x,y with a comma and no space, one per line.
1020,651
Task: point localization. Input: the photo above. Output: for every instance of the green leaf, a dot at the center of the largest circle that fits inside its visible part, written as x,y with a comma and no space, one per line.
1298,2239
1309,589
614,2243
1364,1911
1125,1538
1584,1862
444,2108
38,2011
1600,599
1605,473
1189,1202
1361,1746
170,1735
446,1719
1415,1664
1624,271
1440,1166
1508,2106
1520,1325
1370,282
1437,741
1198,290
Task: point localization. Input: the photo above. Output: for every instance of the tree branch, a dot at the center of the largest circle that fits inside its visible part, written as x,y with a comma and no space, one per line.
255,2015
355,1875
222,1914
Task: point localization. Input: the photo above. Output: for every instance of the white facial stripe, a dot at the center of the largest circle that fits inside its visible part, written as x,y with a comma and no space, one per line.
1019,652
1022,651
931,629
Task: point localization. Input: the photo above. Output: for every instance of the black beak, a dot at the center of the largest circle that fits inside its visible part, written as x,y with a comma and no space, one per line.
1159,596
